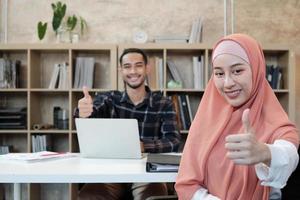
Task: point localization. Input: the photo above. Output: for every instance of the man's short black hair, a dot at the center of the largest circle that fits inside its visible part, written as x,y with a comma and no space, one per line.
134,50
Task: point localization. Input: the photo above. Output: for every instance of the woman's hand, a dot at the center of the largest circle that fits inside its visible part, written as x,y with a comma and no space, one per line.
244,148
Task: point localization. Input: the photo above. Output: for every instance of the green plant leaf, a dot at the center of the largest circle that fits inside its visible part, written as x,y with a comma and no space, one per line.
53,6
41,28
71,22
59,11
83,25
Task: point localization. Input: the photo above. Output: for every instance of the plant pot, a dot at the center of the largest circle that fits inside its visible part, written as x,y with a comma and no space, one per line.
63,36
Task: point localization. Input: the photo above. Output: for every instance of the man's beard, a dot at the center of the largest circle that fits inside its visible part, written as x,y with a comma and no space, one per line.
134,86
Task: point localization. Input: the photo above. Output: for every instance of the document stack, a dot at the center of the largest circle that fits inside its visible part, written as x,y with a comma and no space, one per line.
13,118
163,162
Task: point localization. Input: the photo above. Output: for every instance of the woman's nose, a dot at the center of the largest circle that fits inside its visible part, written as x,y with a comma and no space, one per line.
228,82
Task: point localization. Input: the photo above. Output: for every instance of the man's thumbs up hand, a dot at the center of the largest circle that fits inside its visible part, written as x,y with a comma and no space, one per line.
243,148
85,104
86,92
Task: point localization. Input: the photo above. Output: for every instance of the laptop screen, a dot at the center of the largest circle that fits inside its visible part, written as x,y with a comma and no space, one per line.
108,138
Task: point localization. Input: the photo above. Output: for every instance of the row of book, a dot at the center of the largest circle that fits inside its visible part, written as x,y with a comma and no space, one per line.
84,72
41,143
183,110
198,73
13,118
9,73
274,76
59,78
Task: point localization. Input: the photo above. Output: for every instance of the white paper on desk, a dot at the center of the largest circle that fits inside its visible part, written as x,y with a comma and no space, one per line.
36,157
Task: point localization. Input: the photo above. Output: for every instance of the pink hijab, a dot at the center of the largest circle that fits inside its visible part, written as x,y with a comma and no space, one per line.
204,162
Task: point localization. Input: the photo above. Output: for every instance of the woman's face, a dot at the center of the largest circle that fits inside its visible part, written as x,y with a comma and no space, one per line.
232,78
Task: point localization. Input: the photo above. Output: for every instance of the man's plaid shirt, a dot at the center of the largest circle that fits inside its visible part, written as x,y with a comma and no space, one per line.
156,117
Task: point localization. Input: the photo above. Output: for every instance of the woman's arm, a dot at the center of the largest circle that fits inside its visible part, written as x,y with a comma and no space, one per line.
284,160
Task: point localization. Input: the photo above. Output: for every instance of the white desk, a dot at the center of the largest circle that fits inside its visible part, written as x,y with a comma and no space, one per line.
79,170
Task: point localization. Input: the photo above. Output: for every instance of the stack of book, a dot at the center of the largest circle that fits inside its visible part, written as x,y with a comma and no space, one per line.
13,118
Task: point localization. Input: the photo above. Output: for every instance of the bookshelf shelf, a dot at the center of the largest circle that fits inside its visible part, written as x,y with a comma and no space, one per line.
38,63
13,131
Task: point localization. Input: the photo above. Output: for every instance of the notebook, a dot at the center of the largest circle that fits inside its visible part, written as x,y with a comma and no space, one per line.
108,138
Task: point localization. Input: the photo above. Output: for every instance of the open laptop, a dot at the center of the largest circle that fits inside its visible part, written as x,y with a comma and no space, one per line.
108,138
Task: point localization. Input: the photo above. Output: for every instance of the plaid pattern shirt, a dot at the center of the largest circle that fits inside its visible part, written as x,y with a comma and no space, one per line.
156,117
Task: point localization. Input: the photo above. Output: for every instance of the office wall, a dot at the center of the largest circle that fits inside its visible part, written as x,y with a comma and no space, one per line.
269,21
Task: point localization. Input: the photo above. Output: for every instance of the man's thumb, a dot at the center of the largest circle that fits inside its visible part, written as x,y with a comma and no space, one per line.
86,92
246,121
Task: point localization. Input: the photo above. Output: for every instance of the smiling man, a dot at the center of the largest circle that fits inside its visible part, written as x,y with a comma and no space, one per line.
156,118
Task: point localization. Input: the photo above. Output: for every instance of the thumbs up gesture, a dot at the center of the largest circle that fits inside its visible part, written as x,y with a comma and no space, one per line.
244,149
85,104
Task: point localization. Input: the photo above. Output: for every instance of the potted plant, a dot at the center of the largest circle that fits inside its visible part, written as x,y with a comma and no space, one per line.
63,28
71,24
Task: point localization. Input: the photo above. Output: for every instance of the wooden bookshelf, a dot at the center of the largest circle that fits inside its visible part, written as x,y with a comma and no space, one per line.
37,64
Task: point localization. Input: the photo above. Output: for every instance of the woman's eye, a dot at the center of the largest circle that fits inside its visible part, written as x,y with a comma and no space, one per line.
237,71
219,74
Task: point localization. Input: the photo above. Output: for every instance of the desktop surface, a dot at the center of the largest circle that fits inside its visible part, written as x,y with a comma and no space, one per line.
81,170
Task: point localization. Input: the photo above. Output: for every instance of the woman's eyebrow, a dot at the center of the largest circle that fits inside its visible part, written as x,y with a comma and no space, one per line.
231,66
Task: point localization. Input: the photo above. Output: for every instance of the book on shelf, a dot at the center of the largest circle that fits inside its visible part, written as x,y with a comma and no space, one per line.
198,71
155,75
185,111
274,76
196,31
174,72
63,76
9,73
175,102
37,156
84,72
163,162
41,143
54,77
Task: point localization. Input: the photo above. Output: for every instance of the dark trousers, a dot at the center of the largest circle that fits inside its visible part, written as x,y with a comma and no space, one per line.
119,191
292,189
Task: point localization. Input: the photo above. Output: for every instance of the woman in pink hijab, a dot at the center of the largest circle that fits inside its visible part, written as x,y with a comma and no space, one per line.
241,144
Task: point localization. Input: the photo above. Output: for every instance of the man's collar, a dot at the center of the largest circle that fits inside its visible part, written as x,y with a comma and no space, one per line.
148,97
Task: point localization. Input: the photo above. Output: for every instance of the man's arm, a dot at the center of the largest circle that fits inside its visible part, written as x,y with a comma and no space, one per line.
97,109
169,135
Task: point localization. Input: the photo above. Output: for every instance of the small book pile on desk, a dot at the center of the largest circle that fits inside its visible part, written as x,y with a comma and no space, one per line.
163,162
